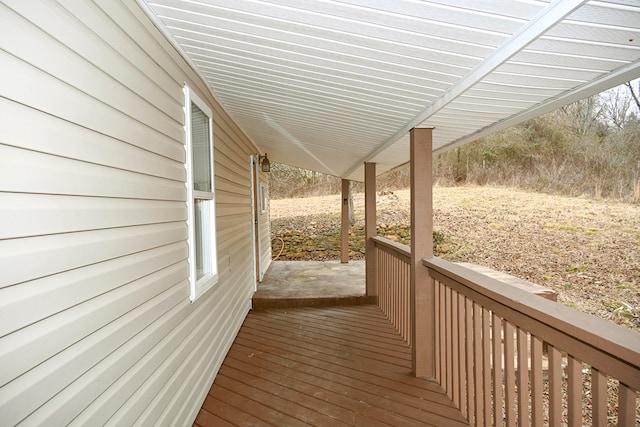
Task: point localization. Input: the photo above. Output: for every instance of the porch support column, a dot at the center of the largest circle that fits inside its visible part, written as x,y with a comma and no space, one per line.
344,248
370,227
422,285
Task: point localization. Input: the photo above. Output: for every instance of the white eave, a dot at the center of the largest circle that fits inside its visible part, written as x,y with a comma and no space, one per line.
330,84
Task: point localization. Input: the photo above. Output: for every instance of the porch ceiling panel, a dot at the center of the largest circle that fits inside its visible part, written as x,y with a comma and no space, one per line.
330,84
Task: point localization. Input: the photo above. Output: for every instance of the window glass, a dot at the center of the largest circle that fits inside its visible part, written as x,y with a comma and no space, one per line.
200,149
202,237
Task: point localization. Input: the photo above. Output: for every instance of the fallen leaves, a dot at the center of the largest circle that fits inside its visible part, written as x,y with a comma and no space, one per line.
588,251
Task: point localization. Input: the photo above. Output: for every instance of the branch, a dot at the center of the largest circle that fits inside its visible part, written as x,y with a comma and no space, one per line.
633,93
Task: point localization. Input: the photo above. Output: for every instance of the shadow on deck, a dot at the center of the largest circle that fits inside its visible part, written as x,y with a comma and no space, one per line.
312,283
323,366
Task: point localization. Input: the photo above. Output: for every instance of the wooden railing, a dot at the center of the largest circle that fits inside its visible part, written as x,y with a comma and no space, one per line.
506,357
393,277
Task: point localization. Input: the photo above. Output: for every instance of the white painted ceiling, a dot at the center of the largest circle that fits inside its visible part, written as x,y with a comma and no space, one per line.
330,84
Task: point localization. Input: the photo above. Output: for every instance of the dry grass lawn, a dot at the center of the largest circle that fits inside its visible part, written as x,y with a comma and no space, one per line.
586,250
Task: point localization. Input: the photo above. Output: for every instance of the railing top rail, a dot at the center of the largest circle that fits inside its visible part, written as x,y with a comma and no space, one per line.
565,328
403,251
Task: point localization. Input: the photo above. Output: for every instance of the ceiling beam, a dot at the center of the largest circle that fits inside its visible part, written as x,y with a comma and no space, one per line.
535,28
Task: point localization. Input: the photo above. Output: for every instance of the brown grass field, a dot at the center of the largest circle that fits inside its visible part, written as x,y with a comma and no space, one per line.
587,250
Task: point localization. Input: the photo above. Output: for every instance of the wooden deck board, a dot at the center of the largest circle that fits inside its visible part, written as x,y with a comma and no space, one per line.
335,336
326,367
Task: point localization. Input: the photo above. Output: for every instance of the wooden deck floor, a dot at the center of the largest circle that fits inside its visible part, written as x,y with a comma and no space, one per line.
324,367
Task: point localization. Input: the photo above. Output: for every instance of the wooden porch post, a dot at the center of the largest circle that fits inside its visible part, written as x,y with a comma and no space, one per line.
370,227
422,285
344,249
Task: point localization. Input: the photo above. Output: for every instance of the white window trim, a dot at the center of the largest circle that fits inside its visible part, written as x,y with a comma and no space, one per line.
199,286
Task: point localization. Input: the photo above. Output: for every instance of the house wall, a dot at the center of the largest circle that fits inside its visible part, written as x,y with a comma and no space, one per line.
96,325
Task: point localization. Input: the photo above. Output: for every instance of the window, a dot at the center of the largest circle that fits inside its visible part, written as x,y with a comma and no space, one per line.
200,195
263,199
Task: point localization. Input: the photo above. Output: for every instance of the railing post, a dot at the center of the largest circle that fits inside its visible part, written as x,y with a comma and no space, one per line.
344,248
422,285
370,227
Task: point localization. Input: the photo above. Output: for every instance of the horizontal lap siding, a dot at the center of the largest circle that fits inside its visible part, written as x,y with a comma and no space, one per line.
95,320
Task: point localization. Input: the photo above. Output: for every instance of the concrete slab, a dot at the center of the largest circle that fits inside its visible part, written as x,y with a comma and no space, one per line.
312,283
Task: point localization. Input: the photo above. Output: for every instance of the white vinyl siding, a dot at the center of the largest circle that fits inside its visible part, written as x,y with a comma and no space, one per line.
96,324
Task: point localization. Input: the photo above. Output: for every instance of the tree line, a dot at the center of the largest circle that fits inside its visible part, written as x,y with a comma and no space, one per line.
588,148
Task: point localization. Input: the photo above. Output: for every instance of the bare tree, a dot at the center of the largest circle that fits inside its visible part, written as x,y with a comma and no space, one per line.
584,115
617,105
634,95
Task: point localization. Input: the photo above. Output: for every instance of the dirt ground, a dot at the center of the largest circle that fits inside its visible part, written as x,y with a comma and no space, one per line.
587,250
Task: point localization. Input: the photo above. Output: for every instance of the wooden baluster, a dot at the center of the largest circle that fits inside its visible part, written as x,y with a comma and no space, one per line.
486,373
509,373
598,398
536,382
470,342
382,291
407,302
447,334
379,279
390,288
555,387
477,368
574,392
394,289
523,378
384,287
438,332
379,264
455,350
462,366
400,271
443,337
398,292
496,338
626,406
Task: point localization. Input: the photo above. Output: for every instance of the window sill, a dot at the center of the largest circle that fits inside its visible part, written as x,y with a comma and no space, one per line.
202,286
